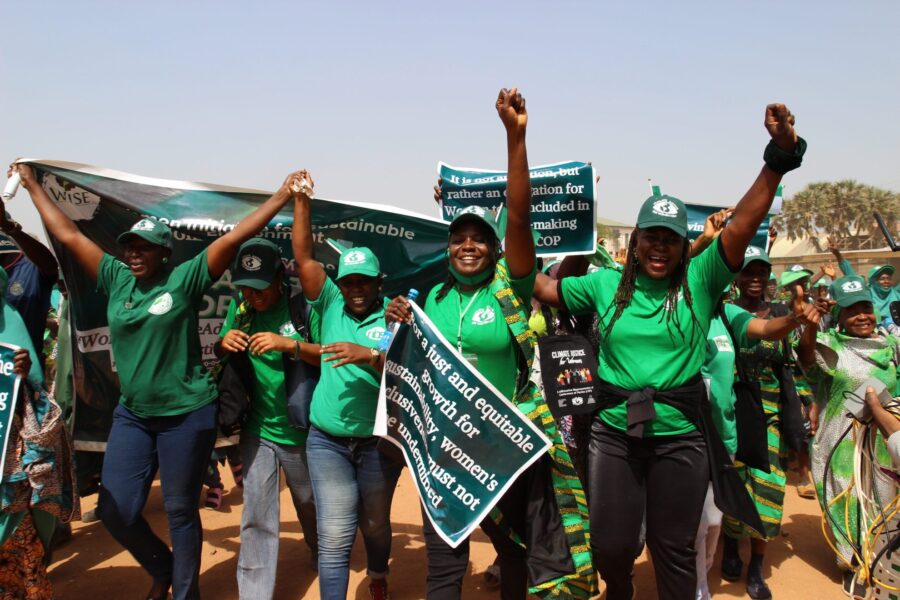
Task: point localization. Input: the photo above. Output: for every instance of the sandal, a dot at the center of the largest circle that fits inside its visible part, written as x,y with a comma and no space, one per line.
214,497
237,471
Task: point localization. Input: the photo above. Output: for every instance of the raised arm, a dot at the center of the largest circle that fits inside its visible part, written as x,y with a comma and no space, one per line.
221,252
309,270
803,313
843,263
519,243
783,154
34,251
86,252
712,228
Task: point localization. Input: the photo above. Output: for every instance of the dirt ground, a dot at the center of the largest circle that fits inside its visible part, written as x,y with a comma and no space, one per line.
92,565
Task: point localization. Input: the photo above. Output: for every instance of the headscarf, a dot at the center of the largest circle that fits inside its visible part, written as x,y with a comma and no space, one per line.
882,297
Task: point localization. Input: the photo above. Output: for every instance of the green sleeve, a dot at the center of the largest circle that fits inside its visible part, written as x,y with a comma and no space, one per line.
581,294
708,273
846,268
228,325
110,273
739,319
524,287
194,276
315,327
330,293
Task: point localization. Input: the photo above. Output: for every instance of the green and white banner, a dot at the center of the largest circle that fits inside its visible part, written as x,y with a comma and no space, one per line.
464,443
104,203
697,214
563,202
9,391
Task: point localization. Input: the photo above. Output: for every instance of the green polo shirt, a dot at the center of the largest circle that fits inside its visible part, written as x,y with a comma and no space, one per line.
268,416
475,320
153,326
718,369
642,350
346,397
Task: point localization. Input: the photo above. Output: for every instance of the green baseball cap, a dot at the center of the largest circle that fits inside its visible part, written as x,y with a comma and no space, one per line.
257,263
753,254
876,272
358,261
663,211
476,214
849,290
824,281
151,230
793,274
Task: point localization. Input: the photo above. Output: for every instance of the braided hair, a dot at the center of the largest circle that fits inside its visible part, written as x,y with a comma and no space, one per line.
677,283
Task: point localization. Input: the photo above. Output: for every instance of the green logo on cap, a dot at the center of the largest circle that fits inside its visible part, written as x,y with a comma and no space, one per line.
852,286
665,208
251,262
354,257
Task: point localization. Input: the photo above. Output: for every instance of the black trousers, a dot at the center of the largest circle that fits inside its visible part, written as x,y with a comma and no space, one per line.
664,476
447,566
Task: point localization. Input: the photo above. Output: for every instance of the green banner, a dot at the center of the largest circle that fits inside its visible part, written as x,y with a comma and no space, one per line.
563,202
697,214
9,391
104,203
464,443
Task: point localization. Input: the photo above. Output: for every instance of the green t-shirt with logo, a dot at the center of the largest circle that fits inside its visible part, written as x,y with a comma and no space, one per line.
268,416
718,369
475,320
153,327
346,397
643,350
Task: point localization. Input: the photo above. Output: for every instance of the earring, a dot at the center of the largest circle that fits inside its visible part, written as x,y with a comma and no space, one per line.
165,259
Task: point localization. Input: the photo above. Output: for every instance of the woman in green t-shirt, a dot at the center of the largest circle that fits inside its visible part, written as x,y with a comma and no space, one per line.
166,417
469,309
653,448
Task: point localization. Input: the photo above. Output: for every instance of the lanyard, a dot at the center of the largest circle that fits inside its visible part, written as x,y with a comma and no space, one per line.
462,315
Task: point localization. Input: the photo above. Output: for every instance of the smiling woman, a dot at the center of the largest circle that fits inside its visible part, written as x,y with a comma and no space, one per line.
166,417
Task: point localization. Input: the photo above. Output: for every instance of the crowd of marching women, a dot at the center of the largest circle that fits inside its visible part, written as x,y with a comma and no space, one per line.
710,375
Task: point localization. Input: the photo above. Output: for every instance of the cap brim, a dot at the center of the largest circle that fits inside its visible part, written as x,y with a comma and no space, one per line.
752,259
473,218
848,301
364,272
251,282
124,237
794,277
682,231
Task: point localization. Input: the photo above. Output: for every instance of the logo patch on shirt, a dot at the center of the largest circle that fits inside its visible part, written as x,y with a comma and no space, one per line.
483,316
723,343
251,262
16,288
354,257
375,333
161,305
665,208
852,286
287,330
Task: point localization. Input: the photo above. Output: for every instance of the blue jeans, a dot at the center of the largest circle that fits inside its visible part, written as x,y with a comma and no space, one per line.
354,485
179,448
260,517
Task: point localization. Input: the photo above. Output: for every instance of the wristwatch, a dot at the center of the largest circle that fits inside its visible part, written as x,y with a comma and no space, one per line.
375,356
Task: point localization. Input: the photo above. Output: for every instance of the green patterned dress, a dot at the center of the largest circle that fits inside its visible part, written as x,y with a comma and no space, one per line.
767,489
843,363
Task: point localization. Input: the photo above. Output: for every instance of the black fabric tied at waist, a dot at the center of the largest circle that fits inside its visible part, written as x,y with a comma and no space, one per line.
731,495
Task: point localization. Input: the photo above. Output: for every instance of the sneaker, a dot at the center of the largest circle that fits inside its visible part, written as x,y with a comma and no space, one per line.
90,516
378,589
732,568
807,490
492,575
853,588
757,589
214,497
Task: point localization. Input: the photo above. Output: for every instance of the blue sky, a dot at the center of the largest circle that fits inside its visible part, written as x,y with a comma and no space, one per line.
370,96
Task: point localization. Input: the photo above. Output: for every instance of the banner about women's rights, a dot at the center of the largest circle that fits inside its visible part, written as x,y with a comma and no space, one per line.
464,442
104,203
697,214
9,391
563,202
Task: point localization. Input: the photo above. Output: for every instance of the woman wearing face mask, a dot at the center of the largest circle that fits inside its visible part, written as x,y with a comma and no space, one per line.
653,447
166,417
353,482
484,305
272,329
842,362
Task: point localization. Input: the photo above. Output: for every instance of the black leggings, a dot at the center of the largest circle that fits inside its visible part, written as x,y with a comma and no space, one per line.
447,566
665,476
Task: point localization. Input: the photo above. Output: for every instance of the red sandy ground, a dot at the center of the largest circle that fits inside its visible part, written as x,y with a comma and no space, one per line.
799,564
